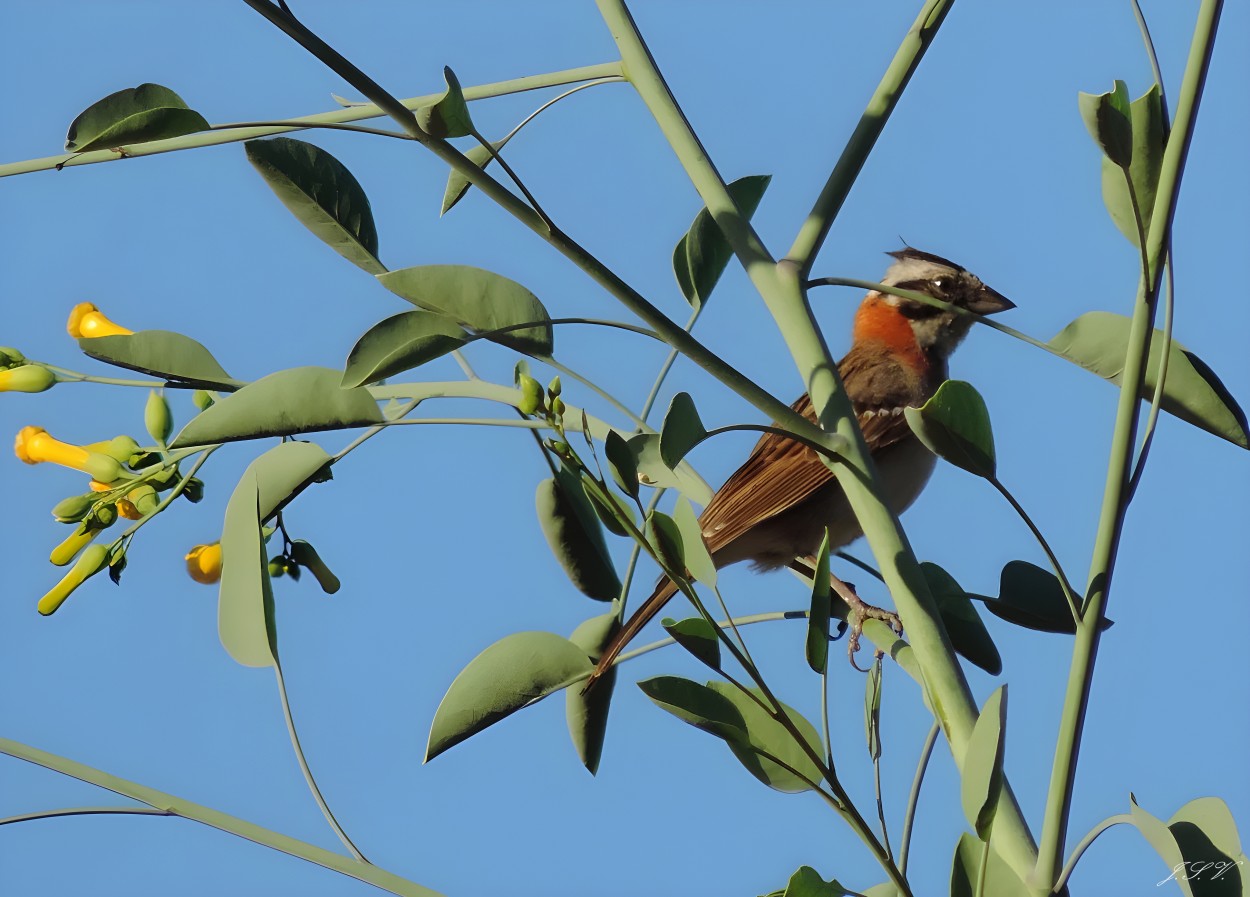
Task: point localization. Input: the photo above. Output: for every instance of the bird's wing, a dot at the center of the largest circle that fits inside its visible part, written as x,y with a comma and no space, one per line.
781,473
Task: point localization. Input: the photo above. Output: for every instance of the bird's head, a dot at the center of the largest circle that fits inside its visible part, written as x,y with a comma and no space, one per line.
936,331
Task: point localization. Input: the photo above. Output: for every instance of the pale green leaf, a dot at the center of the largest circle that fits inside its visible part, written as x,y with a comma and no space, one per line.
401,343
161,353
981,778
955,425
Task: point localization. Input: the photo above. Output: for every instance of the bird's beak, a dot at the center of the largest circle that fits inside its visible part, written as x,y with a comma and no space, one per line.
988,302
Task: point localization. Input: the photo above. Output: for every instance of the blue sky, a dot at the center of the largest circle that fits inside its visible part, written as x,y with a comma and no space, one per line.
432,530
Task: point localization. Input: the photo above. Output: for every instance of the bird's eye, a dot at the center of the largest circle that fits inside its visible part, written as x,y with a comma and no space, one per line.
943,284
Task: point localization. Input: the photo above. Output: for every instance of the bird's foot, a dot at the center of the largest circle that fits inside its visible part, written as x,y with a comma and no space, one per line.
858,611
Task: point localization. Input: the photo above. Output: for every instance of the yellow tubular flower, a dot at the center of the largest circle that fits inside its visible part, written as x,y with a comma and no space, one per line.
85,320
204,563
34,445
93,560
27,378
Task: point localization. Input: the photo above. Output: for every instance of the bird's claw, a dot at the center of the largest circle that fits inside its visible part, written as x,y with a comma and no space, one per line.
859,611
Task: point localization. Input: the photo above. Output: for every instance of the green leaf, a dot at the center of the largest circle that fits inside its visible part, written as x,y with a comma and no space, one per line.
1000,879
1146,113
698,560
982,774
681,431
621,463
702,253
806,882
817,648
955,424
587,714
767,736
963,624
477,299
161,353
1107,117
322,194
1160,837
872,710
697,636
722,710
401,343
134,115
285,471
665,537
297,400
1097,342
306,556
517,670
245,620
457,184
1033,598
572,530
646,450
611,517
448,116
1207,837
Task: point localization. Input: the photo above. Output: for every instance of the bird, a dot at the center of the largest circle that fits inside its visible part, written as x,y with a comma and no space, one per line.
775,509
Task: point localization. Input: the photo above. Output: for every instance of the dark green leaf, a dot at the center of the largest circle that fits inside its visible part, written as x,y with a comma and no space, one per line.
681,431
449,115
702,254
806,882
613,516
298,400
665,537
1033,598
1207,837
697,636
587,714
306,556
872,710
515,671
766,736
245,599
981,779
698,561
1097,342
134,115
621,463
322,194
1000,879
646,450
457,184
722,710
401,343
572,530
955,425
1107,117
161,353
285,471
963,624
478,299
1148,144
817,648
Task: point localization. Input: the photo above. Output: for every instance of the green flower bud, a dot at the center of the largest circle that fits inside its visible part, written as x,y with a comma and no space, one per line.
193,491
102,517
75,542
119,448
531,395
10,357
557,407
202,399
144,499
27,378
103,468
553,388
306,556
277,568
93,560
74,508
157,417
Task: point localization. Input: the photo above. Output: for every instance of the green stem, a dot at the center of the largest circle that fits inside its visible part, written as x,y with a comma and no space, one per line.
1068,593
176,806
358,129
666,367
913,799
64,375
303,767
1085,843
355,113
816,226
85,811
1111,519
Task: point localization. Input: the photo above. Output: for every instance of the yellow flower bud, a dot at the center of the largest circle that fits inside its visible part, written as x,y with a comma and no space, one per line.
85,320
27,378
127,509
204,563
138,503
34,445
93,560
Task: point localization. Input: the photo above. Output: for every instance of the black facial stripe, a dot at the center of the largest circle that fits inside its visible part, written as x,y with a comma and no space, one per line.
915,310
